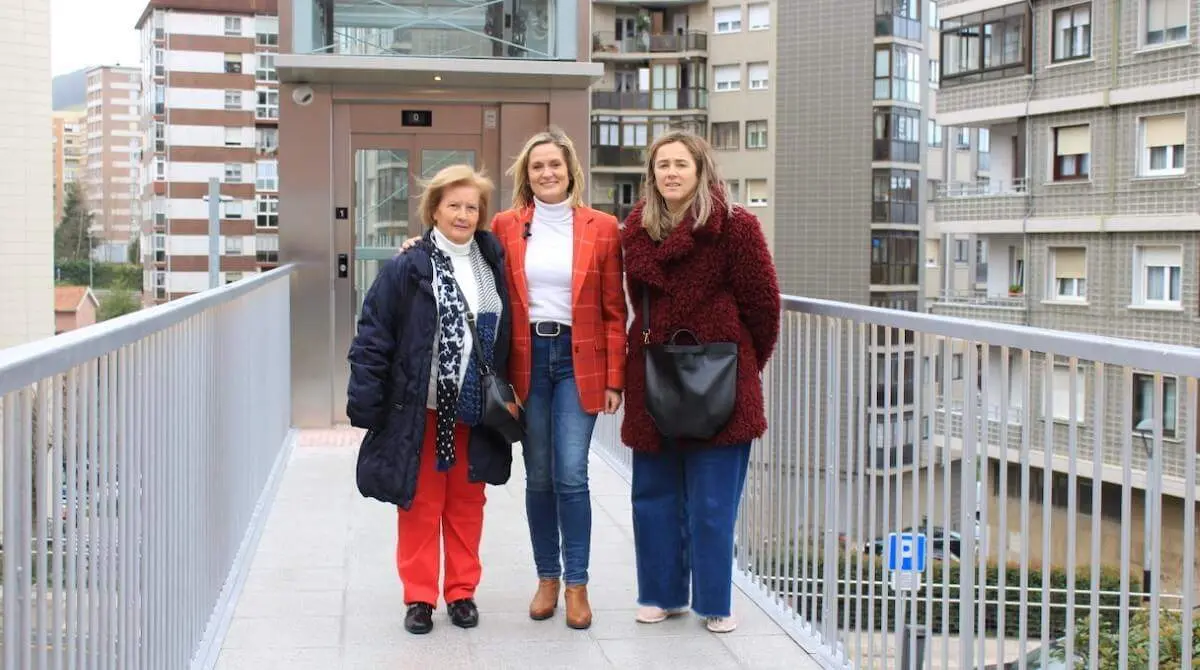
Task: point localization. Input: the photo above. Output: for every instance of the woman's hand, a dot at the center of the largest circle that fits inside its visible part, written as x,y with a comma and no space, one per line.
408,244
612,401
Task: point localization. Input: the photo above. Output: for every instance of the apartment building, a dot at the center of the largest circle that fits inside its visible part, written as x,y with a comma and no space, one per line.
69,130
26,177
1086,220
210,110
702,65
113,140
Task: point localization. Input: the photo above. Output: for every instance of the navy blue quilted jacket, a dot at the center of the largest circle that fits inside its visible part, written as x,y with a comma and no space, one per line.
390,366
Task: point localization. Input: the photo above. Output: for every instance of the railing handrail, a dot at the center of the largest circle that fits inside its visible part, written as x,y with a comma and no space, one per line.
26,364
1162,358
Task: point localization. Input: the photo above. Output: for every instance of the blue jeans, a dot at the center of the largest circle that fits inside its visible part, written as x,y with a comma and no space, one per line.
558,434
685,505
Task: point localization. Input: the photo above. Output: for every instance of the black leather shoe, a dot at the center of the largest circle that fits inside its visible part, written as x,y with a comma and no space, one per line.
419,619
464,613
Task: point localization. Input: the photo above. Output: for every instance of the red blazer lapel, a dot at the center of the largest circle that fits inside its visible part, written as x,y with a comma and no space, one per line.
516,255
584,254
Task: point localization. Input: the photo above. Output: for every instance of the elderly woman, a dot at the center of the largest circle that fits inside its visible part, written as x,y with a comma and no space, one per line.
696,264
415,385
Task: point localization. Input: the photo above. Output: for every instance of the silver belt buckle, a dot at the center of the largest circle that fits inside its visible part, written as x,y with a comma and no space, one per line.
556,326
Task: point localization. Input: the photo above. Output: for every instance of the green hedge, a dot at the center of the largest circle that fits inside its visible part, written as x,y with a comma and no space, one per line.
1170,641
853,595
106,275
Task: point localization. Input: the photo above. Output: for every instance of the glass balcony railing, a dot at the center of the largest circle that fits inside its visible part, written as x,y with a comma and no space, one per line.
529,29
618,157
685,98
609,43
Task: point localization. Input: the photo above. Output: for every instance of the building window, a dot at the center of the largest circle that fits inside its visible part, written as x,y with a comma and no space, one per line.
267,248
897,73
266,31
898,18
233,209
759,15
759,75
985,149
233,63
962,250
267,176
1060,394
1143,405
725,135
1166,21
1162,140
962,139
756,192
160,169
1072,153
267,140
268,211
935,134
894,258
1159,271
1068,268
935,72
727,20
897,134
268,104
266,67
756,134
158,246
159,24
607,131
986,45
1072,33
233,137
233,246
160,137
932,13
233,25
635,131
727,77
233,100
734,188
896,195
233,173
231,277
160,62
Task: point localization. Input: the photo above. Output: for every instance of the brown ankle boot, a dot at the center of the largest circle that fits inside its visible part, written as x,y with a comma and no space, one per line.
545,600
579,612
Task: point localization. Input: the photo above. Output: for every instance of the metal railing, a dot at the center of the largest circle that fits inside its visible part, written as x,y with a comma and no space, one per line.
646,42
982,298
986,187
138,455
1070,532
662,99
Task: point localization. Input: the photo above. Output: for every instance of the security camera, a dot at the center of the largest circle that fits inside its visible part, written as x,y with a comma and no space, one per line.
302,95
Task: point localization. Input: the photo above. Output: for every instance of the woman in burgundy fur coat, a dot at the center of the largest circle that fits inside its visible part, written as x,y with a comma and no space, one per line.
707,267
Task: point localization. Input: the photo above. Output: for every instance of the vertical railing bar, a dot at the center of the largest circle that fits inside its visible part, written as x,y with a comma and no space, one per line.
1051,360
1026,456
873,526
104,492
805,596
60,414
74,553
1154,518
1126,512
980,526
966,613
124,482
913,441
42,504
861,535
929,391
812,538
1190,446
890,517
25,530
1002,464
11,413
832,477
1100,374
847,417
948,453
777,452
792,442
112,521
1076,416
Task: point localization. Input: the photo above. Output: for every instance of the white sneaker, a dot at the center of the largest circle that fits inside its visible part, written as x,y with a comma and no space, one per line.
652,614
720,624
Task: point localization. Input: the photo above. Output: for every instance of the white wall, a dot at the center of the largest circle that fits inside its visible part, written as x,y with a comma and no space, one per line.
197,245
186,23
26,176
204,98
201,172
205,136
195,208
204,61
187,282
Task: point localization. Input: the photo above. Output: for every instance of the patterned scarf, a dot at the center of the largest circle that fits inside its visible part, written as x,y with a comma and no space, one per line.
463,403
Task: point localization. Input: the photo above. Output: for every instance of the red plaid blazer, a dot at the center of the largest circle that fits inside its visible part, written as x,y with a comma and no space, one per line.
598,311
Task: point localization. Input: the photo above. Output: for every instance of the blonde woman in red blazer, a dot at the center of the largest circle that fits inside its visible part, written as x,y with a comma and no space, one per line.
567,361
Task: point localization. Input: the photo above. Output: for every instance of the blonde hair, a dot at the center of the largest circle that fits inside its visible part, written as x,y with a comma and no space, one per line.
523,191
656,217
450,177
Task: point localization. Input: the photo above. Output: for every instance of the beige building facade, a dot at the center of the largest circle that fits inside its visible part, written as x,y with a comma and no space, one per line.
113,139
70,154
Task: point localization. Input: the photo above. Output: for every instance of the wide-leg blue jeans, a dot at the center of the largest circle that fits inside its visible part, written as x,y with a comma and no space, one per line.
685,505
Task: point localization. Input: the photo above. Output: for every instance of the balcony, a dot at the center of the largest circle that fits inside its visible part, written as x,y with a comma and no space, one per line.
167,515
644,101
620,211
619,157
607,46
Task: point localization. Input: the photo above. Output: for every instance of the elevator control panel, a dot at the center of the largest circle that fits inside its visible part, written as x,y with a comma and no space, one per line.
343,266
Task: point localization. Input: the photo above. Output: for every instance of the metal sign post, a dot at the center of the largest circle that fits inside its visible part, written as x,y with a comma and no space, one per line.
906,559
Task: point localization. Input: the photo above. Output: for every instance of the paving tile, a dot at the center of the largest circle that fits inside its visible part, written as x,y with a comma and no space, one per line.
283,632
655,652
292,659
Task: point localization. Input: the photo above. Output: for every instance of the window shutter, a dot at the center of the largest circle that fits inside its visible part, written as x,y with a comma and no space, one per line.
1070,264
1165,131
1073,140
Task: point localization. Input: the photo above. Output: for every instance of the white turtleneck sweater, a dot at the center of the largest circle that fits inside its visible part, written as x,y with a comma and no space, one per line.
548,262
460,260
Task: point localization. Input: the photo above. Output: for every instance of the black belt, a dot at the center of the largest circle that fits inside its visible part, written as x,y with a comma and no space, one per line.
549,328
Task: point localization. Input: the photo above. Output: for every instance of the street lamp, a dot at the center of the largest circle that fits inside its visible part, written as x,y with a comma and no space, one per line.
1143,427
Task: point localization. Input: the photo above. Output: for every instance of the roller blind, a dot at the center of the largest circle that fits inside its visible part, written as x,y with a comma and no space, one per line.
1073,140
1070,264
1165,131
756,190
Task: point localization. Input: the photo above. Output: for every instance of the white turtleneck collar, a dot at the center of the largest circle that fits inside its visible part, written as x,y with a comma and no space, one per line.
453,248
545,212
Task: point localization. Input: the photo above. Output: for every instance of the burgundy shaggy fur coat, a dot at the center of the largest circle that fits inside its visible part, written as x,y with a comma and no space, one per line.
719,282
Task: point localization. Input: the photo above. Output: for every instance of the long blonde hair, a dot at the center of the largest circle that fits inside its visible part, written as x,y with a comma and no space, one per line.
656,217
523,191
450,177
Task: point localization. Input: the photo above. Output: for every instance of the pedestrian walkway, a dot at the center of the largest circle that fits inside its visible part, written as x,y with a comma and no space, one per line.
323,593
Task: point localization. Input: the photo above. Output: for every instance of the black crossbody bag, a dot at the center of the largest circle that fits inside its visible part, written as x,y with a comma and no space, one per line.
502,411
690,388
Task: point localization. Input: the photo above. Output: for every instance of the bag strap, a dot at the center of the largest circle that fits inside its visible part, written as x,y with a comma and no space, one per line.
476,344
645,315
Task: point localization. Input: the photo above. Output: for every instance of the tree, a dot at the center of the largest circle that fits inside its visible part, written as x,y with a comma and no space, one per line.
121,300
135,250
71,236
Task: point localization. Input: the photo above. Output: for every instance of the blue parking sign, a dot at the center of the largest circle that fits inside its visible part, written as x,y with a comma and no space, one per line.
906,552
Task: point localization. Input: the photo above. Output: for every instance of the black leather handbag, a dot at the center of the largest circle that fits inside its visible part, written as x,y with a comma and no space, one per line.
502,411
690,388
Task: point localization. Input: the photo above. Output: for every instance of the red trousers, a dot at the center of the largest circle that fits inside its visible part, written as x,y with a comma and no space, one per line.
447,509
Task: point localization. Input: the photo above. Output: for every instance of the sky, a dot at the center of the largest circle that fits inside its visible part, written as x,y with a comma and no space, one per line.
93,32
